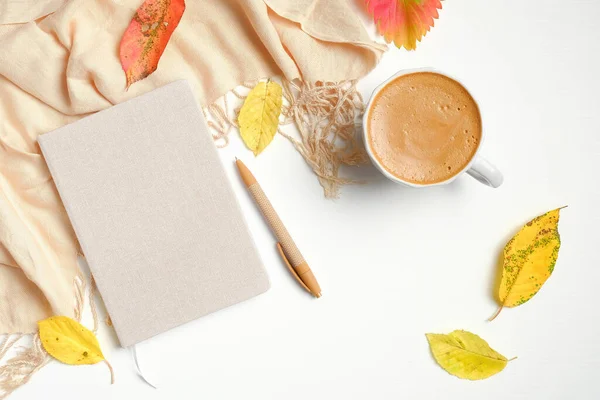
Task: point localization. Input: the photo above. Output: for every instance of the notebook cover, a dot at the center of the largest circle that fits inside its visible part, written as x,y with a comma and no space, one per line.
154,212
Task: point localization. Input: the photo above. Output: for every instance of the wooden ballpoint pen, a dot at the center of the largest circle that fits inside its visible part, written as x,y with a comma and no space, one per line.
286,246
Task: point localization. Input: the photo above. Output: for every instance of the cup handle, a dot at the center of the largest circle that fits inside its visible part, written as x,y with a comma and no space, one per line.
486,172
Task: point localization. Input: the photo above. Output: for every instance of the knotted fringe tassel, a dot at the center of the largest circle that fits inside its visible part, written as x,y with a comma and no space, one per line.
19,369
325,114
217,114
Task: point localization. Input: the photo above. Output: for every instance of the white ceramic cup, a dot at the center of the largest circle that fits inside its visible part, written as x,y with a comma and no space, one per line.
479,168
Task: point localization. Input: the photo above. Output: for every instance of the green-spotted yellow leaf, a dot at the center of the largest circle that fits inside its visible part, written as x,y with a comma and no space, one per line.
528,260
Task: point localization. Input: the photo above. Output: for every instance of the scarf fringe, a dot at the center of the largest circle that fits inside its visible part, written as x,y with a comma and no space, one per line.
325,114
18,370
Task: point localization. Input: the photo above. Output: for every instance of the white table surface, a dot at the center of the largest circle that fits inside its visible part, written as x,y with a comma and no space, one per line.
395,263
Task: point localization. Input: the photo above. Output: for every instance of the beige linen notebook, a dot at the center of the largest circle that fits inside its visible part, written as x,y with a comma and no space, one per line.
154,212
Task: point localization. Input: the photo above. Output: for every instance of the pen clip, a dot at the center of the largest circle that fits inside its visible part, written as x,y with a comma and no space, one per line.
289,266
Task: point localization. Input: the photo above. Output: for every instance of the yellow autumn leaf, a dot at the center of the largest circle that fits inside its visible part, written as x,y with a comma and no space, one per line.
70,342
259,116
466,355
529,259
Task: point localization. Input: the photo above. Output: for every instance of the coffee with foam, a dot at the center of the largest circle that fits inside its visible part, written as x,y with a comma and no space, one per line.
424,127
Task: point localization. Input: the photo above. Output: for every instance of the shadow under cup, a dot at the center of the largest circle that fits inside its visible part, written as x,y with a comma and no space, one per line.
423,128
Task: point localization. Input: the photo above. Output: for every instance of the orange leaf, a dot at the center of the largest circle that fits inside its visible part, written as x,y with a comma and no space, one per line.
147,36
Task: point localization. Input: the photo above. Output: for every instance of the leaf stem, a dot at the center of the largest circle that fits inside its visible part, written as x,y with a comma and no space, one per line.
493,317
112,372
514,358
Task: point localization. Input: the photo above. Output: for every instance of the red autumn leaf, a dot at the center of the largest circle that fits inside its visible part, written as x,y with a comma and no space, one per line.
147,36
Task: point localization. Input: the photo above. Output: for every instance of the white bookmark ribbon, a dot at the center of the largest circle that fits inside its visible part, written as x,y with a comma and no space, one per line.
137,366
